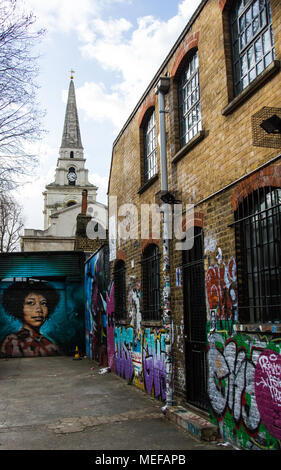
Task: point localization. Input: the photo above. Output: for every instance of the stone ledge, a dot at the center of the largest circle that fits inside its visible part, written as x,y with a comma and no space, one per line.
201,428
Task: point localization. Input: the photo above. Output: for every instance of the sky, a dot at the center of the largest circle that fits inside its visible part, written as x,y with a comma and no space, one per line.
115,48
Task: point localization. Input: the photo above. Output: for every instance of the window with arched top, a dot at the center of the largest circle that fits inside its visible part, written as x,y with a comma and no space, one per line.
150,146
189,104
258,253
251,40
71,203
71,154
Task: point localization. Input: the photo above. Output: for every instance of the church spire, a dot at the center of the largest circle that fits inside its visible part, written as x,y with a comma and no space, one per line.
71,137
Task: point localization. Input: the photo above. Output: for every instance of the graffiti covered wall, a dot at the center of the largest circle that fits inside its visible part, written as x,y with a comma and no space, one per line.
134,353
96,295
244,388
244,369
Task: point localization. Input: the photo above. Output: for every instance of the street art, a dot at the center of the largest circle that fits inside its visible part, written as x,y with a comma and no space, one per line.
154,363
134,304
32,304
140,359
96,291
124,339
110,327
244,388
221,288
39,318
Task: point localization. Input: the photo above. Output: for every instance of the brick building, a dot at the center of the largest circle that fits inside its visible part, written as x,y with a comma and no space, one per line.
202,327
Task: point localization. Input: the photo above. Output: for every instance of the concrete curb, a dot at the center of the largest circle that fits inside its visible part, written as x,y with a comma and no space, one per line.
201,428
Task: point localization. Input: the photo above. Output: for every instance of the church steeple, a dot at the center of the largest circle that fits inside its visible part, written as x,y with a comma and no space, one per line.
71,137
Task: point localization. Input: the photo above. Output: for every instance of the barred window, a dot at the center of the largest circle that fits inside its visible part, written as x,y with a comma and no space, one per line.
258,251
151,283
189,100
252,40
119,276
150,148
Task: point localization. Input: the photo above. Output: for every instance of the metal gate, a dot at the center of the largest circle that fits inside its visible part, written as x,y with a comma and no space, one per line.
195,323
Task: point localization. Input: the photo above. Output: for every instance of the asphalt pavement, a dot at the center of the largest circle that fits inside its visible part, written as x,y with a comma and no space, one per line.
58,403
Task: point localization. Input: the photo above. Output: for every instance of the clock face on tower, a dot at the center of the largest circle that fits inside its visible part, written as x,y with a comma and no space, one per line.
71,176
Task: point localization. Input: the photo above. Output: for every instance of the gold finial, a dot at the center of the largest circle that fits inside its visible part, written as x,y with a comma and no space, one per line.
72,72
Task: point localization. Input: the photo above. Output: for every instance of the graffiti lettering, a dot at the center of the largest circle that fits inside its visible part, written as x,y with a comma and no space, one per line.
154,363
268,390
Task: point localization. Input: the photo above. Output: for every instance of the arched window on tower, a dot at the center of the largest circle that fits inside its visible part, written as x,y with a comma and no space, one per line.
71,154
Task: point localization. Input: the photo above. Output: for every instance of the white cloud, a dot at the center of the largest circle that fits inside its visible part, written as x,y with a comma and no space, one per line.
131,55
29,192
102,183
134,57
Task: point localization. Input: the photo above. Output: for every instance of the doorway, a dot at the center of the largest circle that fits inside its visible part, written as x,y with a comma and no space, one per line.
195,322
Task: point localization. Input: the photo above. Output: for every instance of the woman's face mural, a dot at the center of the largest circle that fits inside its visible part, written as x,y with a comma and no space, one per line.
35,310
40,318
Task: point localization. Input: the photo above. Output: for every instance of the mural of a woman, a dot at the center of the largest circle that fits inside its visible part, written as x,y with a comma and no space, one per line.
32,304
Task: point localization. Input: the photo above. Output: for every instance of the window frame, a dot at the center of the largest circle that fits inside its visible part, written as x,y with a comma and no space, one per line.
258,287
151,283
150,164
190,119
244,72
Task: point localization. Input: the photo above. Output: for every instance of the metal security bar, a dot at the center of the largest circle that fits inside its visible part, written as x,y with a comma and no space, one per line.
120,290
151,283
258,251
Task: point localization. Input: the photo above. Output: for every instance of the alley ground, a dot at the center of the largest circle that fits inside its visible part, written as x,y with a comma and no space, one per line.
63,404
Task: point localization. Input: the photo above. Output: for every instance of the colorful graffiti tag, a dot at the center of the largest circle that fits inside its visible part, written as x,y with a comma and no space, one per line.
244,388
154,363
96,292
140,359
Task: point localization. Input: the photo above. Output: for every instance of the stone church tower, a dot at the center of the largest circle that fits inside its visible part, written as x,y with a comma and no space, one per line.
63,197
71,177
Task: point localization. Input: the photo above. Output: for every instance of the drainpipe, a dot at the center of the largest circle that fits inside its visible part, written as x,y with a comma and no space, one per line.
162,88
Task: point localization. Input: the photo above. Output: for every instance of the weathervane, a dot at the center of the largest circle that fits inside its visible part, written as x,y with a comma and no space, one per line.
72,72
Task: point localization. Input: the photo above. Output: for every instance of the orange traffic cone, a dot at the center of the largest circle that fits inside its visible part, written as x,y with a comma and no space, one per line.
77,355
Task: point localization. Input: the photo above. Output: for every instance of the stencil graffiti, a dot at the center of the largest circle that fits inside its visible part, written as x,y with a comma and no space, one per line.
134,304
221,288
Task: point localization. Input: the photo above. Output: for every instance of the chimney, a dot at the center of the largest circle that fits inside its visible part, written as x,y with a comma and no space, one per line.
84,201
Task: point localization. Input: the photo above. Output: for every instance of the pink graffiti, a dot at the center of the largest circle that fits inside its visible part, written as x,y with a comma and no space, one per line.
221,289
268,391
